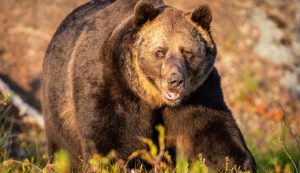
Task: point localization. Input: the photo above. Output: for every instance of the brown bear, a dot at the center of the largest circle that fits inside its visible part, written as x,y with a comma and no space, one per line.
115,69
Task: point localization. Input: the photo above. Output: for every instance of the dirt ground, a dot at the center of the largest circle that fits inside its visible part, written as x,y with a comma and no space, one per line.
258,75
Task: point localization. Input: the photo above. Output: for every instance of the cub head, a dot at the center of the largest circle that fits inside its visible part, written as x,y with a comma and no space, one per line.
173,53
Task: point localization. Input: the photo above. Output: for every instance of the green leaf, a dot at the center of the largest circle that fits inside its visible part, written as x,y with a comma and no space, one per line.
62,160
152,146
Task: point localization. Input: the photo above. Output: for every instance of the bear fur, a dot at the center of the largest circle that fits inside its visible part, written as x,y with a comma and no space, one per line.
103,87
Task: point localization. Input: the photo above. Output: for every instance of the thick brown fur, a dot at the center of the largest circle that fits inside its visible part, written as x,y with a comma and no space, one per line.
105,76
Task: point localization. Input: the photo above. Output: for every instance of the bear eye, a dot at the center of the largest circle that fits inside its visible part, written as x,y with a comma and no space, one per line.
187,54
160,54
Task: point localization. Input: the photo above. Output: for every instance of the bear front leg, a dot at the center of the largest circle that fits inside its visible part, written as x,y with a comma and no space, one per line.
198,130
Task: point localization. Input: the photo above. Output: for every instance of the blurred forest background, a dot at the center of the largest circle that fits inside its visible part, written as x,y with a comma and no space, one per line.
258,59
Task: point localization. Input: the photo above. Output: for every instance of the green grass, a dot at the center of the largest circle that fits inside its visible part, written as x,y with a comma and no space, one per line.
282,153
5,135
34,161
278,160
279,157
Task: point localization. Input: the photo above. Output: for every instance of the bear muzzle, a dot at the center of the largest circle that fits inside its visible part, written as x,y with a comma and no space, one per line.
175,81
174,88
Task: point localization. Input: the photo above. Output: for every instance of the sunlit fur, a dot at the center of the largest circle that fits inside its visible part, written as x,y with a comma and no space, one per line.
172,30
149,92
102,84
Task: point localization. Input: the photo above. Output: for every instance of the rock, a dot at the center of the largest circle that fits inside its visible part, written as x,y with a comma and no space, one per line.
292,81
269,45
275,2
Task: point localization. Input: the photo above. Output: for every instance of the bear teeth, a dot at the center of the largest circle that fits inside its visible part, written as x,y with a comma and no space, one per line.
171,96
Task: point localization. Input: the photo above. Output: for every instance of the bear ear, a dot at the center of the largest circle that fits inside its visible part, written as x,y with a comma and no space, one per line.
144,11
202,16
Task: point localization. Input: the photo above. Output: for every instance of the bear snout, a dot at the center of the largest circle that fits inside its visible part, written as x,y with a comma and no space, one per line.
175,81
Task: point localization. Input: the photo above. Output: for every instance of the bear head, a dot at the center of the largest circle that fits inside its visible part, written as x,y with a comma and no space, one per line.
170,52
173,52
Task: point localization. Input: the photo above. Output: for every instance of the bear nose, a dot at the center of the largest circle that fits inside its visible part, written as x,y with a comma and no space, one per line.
175,81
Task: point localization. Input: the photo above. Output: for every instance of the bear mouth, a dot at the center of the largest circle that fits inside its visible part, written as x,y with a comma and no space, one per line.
171,96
